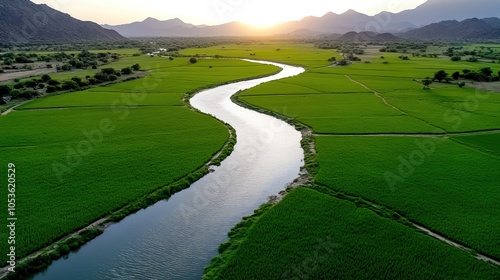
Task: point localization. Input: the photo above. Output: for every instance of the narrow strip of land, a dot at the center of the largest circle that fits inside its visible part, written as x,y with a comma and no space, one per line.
440,135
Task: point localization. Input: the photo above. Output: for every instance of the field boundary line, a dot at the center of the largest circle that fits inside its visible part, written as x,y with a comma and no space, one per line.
445,134
390,105
388,213
377,94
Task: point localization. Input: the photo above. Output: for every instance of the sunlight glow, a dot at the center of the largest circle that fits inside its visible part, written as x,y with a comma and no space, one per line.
259,13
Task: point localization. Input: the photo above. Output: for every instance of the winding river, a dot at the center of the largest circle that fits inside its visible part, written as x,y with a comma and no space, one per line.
176,239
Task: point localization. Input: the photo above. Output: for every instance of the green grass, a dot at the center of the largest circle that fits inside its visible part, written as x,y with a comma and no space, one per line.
70,171
308,83
143,152
487,143
452,190
299,54
342,113
310,235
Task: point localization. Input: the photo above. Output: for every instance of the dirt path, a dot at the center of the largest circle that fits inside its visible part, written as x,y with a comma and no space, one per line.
377,94
25,74
456,245
8,111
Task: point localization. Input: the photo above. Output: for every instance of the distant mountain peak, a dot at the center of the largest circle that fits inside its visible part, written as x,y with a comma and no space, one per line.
330,23
56,26
150,19
330,14
351,12
468,29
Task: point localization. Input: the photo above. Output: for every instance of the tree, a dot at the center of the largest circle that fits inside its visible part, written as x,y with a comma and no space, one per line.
77,80
108,71
4,90
456,58
51,89
136,67
46,78
456,75
486,71
461,84
127,71
31,84
53,82
69,85
193,60
427,82
440,75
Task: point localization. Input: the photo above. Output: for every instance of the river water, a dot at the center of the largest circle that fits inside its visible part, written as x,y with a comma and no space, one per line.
176,239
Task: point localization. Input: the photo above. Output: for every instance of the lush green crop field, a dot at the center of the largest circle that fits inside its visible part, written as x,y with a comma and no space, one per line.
359,113
443,185
451,188
452,109
299,54
307,83
310,235
487,143
76,164
165,86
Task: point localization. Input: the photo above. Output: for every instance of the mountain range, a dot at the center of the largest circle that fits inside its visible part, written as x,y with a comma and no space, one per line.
469,29
430,12
22,21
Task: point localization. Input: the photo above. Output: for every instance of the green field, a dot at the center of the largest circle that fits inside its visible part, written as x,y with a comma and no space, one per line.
79,156
310,235
375,132
451,189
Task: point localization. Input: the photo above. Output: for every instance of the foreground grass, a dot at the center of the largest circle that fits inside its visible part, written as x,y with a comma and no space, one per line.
310,235
89,153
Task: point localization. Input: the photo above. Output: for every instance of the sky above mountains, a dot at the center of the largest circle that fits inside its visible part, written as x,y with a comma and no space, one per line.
213,12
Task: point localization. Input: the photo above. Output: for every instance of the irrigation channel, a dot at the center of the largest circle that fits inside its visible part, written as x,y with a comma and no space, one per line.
176,239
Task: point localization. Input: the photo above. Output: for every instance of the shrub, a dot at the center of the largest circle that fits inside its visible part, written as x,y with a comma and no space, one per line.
193,60
53,82
127,71
93,81
4,90
70,85
137,67
46,78
108,71
51,89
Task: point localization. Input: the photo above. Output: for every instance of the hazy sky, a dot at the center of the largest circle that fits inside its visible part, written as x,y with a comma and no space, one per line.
259,12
